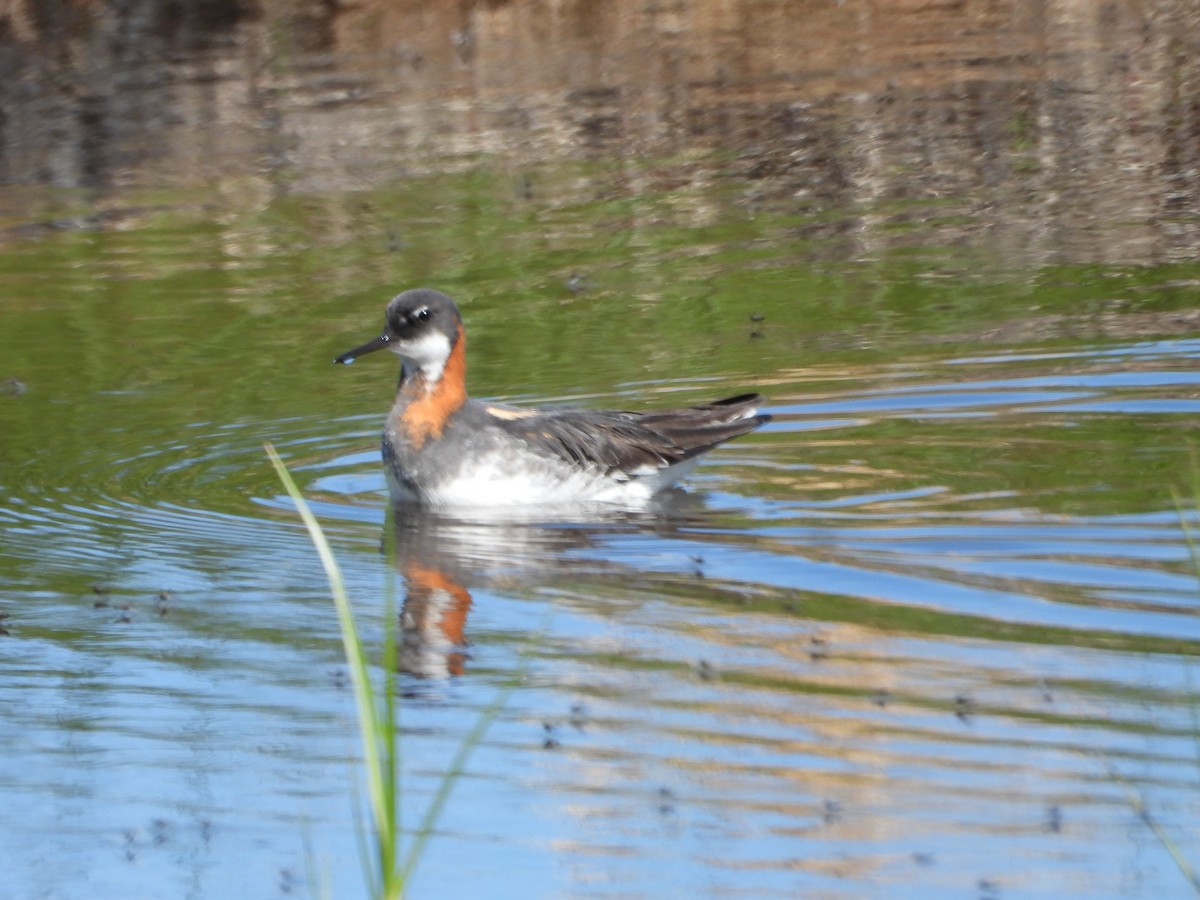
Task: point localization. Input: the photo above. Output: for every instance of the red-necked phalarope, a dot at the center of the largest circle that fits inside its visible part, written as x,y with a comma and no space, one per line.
443,449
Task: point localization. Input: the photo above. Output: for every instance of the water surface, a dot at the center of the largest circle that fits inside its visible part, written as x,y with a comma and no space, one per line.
933,631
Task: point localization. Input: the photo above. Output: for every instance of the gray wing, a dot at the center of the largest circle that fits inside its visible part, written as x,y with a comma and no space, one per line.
636,442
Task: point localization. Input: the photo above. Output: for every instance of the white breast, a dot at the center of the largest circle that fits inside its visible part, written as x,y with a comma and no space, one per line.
499,482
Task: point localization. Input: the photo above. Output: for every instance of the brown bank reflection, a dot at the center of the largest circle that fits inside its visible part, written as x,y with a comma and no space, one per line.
1052,127
444,559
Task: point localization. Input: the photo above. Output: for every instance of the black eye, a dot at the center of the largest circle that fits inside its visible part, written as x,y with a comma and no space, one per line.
421,314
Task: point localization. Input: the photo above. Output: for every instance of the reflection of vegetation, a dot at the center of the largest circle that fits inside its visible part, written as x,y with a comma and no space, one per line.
823,687
231,314
924,621
1186,512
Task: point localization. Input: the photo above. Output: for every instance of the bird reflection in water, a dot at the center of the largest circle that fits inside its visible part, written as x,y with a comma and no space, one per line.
432,622
443,558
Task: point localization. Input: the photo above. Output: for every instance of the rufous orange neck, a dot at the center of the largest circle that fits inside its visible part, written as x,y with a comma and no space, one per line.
429,406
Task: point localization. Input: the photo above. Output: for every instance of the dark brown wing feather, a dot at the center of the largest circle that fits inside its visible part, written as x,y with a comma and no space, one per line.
625,441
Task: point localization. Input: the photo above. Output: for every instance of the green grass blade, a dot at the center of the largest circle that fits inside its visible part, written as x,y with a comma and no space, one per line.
389,724
380,784
366,854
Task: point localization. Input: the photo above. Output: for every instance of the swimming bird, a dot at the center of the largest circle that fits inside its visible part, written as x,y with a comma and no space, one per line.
443,449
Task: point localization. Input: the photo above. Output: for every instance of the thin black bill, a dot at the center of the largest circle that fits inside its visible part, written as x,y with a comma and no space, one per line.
369,347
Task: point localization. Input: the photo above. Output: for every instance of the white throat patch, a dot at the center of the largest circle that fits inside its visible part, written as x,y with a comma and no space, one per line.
427,354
